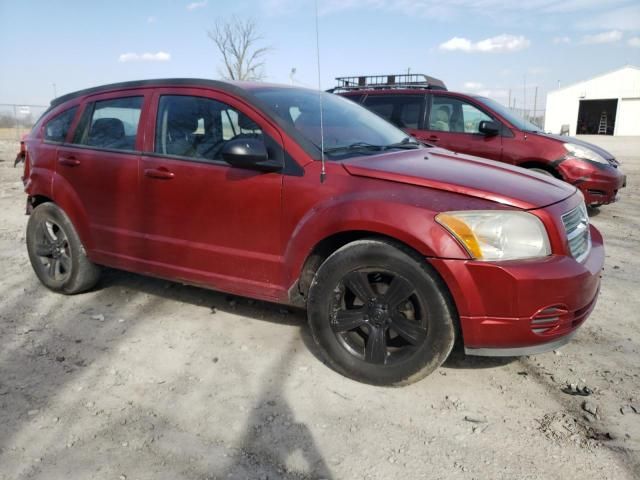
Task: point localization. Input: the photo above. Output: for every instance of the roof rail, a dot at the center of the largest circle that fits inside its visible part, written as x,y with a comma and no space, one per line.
403,80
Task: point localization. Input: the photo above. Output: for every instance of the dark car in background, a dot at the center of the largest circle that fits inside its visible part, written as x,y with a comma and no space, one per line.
423,107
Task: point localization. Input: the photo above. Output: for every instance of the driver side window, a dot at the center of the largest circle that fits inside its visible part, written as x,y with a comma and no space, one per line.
198,127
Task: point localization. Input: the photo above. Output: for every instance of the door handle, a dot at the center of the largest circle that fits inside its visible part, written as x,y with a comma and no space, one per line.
432,138
69,161
161,173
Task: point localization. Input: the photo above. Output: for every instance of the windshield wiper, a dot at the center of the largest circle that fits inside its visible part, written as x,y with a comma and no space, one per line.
407,143
355,146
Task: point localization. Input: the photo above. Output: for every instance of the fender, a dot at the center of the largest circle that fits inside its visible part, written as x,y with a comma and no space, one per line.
67,199
368,211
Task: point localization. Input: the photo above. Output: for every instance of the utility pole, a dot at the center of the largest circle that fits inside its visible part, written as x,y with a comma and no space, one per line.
55,94
524,101
509,104
535,104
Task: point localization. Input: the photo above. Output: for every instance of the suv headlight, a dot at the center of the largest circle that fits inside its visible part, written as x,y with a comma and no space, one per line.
584,153
497,234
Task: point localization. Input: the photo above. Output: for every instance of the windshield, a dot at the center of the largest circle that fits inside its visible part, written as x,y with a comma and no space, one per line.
513,118
349,129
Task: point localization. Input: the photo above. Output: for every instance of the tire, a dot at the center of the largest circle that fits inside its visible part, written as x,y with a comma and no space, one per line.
56,253
408,312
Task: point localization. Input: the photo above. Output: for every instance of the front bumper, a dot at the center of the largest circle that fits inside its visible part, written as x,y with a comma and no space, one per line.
598,183
523,307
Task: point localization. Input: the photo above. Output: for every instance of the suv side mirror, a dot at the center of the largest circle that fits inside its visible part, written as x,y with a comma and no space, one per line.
489,128
250,153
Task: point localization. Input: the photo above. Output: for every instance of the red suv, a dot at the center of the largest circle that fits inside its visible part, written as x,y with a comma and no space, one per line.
475,125
394,248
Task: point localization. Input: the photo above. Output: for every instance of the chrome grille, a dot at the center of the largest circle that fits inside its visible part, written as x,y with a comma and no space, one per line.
576,225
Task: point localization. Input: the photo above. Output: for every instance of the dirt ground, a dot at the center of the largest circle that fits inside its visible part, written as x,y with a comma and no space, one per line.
147,379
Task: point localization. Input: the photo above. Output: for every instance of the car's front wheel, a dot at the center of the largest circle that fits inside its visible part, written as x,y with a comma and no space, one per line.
56,253
380,313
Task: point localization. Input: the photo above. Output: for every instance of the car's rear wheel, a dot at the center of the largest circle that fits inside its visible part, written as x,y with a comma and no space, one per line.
380,314
56,253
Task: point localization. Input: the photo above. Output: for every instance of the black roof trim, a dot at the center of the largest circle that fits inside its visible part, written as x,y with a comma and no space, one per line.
158,82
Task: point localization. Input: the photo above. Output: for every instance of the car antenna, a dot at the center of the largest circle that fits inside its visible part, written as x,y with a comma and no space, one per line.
323,172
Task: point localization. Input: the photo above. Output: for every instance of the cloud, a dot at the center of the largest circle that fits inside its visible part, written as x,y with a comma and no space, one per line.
152,19
604,37
195,5
499,44
498,12
477,88
625,18
473,85
145,57
634,42
564,39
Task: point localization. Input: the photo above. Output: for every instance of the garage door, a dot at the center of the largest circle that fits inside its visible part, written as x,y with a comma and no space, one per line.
628,118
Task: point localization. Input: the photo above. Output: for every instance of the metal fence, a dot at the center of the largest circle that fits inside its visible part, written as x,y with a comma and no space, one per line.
17,119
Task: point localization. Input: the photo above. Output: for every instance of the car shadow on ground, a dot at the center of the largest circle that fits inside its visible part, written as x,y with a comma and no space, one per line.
264,311
37,364
593,211
272,434
460,361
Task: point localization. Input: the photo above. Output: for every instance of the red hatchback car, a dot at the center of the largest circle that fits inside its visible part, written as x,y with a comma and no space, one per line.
394,248
475,125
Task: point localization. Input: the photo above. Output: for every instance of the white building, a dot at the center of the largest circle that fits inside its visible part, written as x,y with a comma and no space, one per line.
608,104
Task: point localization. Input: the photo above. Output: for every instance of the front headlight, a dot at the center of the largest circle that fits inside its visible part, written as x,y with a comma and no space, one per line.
497,235
584,153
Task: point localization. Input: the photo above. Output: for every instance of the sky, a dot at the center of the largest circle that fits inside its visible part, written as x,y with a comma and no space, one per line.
497,48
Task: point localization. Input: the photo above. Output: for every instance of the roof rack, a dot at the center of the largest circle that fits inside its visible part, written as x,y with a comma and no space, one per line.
404,80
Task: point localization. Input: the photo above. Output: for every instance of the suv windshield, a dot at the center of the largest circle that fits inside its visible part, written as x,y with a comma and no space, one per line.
514,119
349,129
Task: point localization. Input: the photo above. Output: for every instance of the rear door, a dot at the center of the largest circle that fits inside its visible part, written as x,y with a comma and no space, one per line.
203,220
453,123
404,111
100,165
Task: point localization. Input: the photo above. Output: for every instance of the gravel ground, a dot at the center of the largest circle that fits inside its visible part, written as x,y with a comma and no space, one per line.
147,379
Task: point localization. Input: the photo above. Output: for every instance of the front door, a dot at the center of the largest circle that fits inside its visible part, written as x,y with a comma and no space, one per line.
453,123
203,220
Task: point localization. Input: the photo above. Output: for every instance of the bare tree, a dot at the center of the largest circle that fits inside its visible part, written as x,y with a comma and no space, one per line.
238,42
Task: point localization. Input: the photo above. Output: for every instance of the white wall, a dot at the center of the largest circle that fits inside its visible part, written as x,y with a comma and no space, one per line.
563,104
628,117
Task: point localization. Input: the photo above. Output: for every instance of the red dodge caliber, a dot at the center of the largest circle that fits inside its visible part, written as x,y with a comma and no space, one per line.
394,248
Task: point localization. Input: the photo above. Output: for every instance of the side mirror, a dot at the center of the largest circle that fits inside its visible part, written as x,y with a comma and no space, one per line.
489,128
250,153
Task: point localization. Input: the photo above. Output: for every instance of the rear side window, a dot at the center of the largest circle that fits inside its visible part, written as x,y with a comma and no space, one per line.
404,111
198,127
111,124
56,129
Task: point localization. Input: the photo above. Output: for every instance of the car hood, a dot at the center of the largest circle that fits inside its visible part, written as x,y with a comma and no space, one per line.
566,139
472,176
